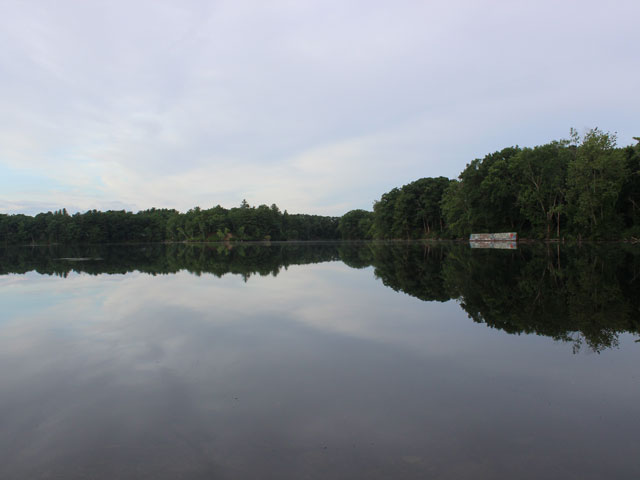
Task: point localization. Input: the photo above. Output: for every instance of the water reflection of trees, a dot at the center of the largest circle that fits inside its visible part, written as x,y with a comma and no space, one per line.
586,296
156,259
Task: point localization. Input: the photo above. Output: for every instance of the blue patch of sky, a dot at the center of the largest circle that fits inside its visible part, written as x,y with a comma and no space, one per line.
14,180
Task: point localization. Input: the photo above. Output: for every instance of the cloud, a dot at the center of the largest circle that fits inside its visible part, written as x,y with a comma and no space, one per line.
318,107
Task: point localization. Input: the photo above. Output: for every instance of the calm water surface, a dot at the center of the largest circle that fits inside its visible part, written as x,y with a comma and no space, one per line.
320,361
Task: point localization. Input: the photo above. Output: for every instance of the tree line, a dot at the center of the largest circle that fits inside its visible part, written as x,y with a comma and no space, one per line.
576,188
580,188
165,225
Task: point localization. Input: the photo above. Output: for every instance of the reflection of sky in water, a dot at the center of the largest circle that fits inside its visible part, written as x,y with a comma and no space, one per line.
320,372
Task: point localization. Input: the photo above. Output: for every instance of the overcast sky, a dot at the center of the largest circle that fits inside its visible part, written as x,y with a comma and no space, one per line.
319,107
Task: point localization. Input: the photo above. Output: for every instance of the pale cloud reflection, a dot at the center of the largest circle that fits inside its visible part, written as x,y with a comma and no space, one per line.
321,368
141,316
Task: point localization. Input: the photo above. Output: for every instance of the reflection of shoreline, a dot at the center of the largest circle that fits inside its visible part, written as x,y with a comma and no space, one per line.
496,245
580,294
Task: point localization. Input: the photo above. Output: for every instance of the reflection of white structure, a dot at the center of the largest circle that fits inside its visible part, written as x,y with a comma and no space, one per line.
506,241
498,244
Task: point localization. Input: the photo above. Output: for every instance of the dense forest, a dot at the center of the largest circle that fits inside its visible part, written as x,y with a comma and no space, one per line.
163,225
584,295
581,188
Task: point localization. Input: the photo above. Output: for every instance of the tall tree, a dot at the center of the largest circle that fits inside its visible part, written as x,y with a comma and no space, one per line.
629,199
541,191
596,176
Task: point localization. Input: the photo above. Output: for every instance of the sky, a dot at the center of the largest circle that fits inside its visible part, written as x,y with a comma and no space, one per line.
317,106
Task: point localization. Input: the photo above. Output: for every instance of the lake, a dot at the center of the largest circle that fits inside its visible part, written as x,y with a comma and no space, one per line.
329,360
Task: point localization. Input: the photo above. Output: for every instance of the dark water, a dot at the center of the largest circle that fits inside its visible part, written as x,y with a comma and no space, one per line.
320,361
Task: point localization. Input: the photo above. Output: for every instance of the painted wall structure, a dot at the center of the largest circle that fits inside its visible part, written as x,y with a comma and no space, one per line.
494,237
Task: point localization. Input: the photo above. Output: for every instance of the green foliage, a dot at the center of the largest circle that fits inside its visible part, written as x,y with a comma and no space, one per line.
541,174
595,179
356,225
383,215
628,205
148,226
584,188
410,212
456,210
484,198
